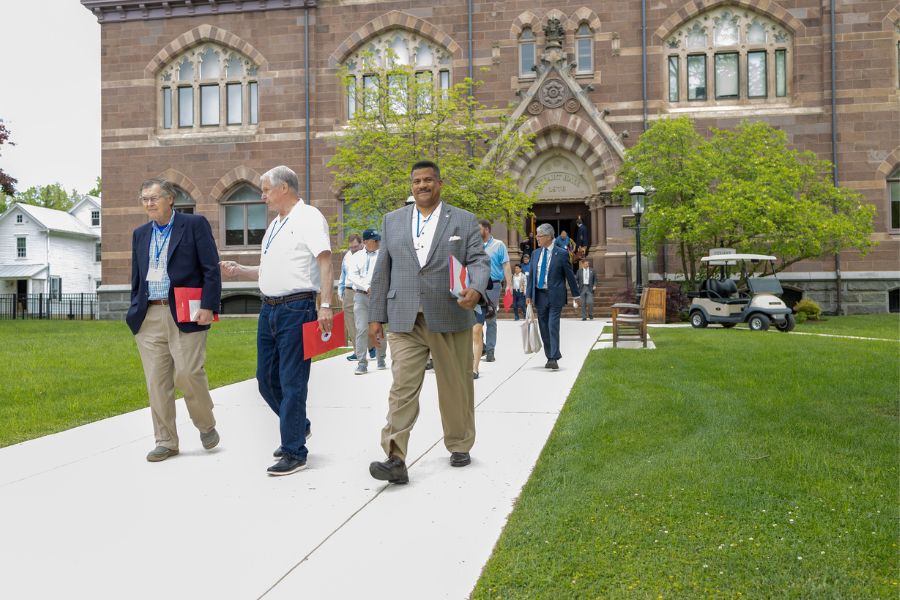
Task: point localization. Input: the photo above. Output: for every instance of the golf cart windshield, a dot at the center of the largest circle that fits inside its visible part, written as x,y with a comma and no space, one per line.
765,285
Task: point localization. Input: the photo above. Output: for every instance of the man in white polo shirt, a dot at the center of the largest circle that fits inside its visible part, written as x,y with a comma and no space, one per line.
295,259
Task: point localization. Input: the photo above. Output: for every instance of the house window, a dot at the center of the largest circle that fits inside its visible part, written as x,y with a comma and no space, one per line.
19,219
97,252
55,287
739,46
893,182
584,49
95,218
245,216
183,202
21,247
416,70
208,87
526,53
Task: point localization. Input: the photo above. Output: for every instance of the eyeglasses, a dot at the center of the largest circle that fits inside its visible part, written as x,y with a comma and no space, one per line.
149,200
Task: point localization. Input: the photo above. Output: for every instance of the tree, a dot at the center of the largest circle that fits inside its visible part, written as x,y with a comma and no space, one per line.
7,183
743,189
400,119
95,191
49,196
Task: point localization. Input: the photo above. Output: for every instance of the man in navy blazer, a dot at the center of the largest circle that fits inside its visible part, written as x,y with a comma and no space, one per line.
550,271
173,250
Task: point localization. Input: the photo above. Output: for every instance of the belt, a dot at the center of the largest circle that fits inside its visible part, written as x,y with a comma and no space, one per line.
291,298
159,302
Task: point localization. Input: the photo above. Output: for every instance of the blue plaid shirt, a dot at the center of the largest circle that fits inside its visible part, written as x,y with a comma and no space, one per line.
159,244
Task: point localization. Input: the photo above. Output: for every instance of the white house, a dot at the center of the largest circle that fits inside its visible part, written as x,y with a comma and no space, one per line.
50,251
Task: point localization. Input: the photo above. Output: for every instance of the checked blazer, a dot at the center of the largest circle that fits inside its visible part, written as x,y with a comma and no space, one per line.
400,286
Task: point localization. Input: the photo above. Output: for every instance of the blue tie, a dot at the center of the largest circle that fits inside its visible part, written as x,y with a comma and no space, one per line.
542,273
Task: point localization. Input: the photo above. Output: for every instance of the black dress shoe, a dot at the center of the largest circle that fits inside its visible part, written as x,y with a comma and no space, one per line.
460,459
393,470
474,375
287,465
551,364
489,356
279,452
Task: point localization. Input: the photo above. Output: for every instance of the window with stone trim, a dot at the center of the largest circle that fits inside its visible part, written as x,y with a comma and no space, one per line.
207,88
584,50
245,216
893,184
184,203
728,55
407,60
527,53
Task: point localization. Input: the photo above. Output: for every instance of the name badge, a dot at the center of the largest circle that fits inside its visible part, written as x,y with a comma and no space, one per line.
155,274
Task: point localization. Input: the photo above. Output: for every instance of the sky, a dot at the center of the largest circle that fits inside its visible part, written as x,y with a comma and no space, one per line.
50,95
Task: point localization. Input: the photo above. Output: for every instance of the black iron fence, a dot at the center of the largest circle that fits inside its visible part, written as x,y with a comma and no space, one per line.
47,306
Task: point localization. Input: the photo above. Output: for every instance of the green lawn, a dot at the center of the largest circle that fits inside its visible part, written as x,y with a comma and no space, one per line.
723,464
61,374
875,326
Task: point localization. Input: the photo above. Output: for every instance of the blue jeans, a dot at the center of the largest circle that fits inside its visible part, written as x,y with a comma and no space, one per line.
490,329
548,322
518,304
281,372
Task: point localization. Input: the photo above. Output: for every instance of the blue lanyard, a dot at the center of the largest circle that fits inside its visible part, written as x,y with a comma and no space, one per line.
273,234
165,232
420,231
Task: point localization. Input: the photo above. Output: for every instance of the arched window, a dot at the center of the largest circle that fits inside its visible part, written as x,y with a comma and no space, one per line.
408,58
893,184
526,53
584,50
245,216
727,55
208,87
183,202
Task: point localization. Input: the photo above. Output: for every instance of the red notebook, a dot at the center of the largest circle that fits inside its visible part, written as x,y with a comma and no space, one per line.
315,342
187,303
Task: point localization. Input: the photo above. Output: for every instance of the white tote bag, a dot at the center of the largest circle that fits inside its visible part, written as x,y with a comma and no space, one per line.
531,333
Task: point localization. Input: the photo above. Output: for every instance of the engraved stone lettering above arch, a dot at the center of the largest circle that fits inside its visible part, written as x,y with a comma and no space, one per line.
562,175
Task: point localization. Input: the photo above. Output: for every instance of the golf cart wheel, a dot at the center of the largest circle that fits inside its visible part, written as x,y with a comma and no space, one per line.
698,321
758,322
788,325
728,325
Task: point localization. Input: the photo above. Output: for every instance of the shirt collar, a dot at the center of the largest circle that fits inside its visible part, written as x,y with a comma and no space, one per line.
159,229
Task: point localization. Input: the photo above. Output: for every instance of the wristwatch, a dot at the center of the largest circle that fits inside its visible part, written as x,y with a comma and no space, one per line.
324,305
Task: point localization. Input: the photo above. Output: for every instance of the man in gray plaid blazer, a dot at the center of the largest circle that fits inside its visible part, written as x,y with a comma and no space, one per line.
411,292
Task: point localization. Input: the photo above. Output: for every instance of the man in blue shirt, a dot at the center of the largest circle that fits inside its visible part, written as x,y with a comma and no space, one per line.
500,271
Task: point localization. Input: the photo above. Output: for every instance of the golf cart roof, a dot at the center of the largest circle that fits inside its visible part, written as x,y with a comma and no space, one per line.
722,259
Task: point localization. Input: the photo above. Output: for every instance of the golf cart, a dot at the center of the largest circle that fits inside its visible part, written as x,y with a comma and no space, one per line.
719,301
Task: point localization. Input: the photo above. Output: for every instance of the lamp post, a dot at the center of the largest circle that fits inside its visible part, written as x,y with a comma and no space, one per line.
638,194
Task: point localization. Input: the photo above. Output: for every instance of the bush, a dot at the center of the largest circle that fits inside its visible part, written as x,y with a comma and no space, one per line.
677,301
809,308
800,317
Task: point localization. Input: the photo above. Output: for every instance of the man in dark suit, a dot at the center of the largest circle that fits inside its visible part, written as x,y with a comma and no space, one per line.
168,252
550,271
586,282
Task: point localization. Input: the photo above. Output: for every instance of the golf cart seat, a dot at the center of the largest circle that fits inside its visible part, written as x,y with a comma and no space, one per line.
723,291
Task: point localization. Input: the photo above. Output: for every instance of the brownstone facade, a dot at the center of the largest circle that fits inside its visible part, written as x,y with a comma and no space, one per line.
585,108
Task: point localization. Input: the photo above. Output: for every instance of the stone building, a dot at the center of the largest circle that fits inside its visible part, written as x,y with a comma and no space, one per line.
212,93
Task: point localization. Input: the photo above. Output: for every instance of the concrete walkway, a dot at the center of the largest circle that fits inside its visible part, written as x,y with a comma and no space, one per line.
83,515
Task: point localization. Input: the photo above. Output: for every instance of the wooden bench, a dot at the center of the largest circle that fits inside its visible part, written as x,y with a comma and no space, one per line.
629,321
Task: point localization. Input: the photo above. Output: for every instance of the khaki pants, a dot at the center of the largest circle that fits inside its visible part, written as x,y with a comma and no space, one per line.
452,356
172,357
349,318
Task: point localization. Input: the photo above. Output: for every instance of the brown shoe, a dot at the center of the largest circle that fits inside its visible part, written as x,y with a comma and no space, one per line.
161,453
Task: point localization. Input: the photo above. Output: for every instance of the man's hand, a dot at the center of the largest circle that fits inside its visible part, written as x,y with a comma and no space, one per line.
575,303
527,301
376,335
230,268
204,316
325,319
469,299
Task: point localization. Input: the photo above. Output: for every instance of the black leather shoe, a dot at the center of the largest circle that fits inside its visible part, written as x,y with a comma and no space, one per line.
393,470
474,374
489,356
460,459
286,466
279,452
551,364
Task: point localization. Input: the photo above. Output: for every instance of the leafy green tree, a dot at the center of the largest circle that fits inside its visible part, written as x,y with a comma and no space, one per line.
95,191
7,183
743,189
49,196
401,119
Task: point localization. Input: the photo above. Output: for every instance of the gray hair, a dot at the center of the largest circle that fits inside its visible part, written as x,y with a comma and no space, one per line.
165,187
545,229
282,174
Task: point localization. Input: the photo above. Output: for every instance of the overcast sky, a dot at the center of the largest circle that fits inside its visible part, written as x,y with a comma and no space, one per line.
50,96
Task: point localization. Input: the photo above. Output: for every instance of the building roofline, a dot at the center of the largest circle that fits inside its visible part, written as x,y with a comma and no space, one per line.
121,11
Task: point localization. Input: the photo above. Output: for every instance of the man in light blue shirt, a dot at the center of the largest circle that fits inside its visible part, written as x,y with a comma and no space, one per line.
500,271
345,292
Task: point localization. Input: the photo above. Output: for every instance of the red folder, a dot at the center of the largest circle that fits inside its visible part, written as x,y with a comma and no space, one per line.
508,299
183,298
316,343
